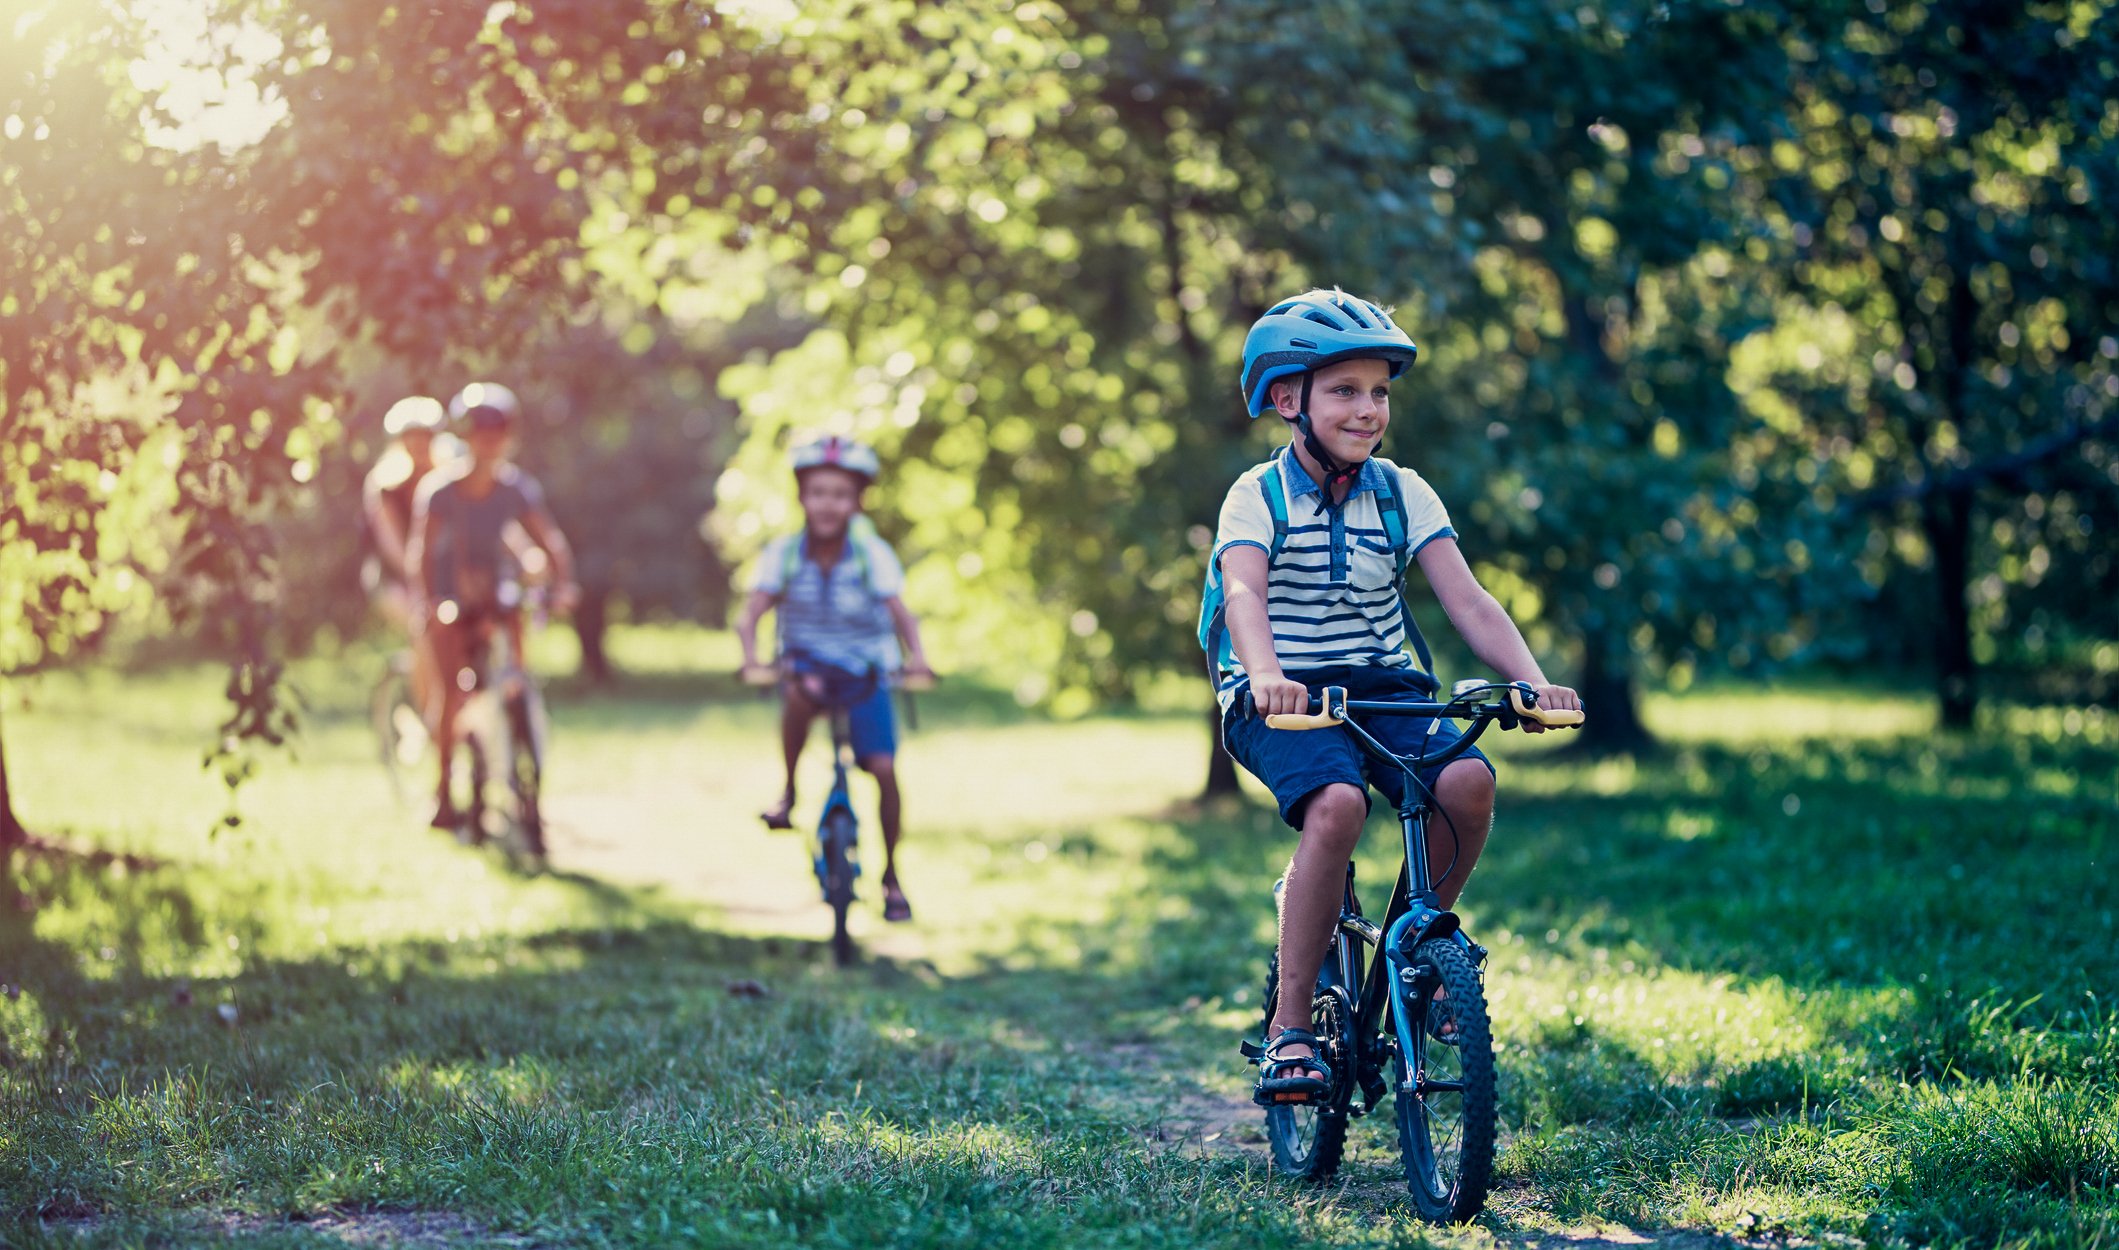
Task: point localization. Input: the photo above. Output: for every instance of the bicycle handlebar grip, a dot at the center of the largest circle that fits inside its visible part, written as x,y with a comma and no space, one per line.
1551,718
1332,712
759,675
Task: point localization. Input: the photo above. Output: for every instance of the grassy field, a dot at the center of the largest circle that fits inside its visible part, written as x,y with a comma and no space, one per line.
1813,976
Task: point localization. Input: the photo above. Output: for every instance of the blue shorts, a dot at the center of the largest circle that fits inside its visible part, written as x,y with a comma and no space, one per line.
873,722
1296,763
875,725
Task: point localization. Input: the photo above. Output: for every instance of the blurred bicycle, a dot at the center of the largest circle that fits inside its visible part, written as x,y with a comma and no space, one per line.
837,858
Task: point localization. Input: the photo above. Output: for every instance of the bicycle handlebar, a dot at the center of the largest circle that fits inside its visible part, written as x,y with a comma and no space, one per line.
763,676
1331,707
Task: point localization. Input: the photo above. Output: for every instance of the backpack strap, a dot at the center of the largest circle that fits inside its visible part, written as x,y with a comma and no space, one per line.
1276,493
860,531
1390,503
1213,608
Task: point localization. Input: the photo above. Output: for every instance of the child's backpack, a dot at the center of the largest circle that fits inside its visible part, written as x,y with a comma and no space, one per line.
859,532
1213,630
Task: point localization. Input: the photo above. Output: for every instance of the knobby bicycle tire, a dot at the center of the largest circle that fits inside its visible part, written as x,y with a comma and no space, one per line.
1308,1140
838,837
389,704
1446,1137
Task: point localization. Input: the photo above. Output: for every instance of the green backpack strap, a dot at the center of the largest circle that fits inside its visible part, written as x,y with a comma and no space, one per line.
861,531
1390,503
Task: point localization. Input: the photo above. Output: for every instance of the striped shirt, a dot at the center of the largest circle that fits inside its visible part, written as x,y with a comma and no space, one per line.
836,615
1332,593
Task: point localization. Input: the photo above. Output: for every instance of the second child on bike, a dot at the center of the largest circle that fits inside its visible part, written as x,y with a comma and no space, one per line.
461,559
1304,590
837,586
414,426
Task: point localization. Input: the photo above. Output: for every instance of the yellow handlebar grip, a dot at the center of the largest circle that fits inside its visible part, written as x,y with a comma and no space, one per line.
1551,718
1333,700
1300,720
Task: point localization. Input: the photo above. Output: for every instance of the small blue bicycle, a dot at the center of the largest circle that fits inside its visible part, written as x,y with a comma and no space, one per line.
1400,1008
837,858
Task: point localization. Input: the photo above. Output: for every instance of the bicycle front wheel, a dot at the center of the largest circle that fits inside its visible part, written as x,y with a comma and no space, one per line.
526,779
1309,1138
1446,1096
835,865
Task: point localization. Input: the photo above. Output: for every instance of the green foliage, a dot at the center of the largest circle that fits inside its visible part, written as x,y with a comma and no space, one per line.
1669,266
1940,246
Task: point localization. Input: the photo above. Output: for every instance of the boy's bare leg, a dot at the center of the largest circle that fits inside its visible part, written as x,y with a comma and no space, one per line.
1309,902
1465,790
796,713
884,768
450,655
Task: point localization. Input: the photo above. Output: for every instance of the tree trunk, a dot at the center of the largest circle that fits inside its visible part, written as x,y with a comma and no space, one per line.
591,622
1612,723
1947,518
1221,769
12,834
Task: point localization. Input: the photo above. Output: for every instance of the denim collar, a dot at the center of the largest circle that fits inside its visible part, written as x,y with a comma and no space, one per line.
1300,482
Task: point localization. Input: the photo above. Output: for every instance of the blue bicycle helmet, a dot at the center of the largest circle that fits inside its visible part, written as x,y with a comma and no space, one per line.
1312,330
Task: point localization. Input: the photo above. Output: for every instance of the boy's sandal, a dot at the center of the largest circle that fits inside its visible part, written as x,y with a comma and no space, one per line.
1441,1021
779,817
1275,1090
896,907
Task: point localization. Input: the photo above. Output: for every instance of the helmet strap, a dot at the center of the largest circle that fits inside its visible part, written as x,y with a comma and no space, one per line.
1335,473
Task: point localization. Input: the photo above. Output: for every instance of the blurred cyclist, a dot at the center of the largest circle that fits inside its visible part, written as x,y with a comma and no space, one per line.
835,586
464,572
414,425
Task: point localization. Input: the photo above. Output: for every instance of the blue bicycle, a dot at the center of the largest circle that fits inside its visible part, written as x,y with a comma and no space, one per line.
1412,1022
837,858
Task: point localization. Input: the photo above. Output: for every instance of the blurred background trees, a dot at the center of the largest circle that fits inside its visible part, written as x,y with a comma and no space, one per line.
1753,336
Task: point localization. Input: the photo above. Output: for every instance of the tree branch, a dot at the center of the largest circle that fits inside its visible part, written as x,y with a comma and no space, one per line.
2052,447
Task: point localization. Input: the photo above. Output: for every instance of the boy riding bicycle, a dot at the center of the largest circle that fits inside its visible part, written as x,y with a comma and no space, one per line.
836,586
1304,589
462,565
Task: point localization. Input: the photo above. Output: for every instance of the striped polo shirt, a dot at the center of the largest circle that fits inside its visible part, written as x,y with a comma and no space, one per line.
838,616
1332,593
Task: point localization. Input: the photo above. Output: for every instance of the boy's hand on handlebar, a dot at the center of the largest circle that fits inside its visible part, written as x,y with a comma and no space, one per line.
1276,695
917,677
755,674
1552,699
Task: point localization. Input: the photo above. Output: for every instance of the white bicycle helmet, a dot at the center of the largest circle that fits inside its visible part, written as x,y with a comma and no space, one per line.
837,452
414,413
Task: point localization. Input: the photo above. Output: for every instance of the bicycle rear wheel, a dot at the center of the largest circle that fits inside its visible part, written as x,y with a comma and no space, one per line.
400,730
838,839
1446,1095
1308,1139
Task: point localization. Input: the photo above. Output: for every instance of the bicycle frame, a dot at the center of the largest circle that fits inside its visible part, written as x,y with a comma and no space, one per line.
1414,913
842,761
